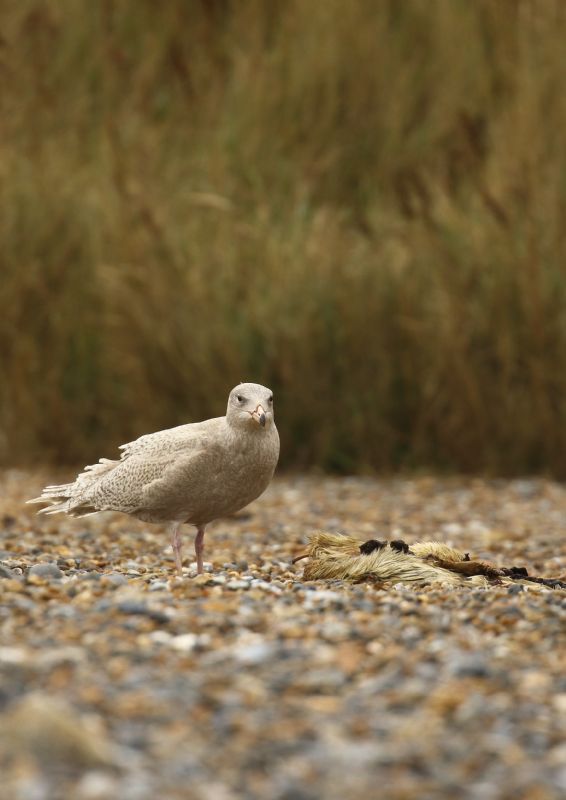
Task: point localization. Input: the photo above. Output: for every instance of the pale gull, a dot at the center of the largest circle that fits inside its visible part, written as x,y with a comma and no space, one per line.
193,473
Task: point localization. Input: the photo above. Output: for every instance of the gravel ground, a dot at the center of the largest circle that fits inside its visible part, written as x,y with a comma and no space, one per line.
119,681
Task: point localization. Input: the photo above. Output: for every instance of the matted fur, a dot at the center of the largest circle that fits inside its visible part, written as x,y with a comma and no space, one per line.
335,556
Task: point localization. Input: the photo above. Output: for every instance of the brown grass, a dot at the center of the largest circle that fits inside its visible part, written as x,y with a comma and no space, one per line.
360,204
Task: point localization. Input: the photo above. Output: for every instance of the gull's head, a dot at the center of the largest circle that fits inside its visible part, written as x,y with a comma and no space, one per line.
250,405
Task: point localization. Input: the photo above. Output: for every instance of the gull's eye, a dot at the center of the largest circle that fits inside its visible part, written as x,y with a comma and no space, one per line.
239,398
270,399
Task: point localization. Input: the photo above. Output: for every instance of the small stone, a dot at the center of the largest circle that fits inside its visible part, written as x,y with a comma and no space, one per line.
160,636
472,666
116,579
235,585
5,572
138,608
184,643
199,580
51,730
13,656
158,586
46,571
11,585
97,785
324,597
271,588
254,652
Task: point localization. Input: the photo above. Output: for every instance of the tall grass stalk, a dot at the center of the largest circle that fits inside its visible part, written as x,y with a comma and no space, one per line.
361,204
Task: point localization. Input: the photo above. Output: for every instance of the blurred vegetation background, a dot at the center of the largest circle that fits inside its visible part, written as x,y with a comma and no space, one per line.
361,204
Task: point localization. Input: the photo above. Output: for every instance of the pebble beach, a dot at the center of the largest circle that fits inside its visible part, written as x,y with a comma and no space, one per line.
119,680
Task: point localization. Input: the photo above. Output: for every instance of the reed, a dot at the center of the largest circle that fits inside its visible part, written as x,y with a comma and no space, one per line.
359,204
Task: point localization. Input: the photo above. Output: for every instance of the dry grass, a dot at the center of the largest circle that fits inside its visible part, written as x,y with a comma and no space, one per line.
361,204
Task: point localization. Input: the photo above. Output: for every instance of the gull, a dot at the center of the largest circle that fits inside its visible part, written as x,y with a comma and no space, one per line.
191,474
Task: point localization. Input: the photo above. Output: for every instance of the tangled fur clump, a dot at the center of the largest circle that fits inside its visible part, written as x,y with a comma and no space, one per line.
334,556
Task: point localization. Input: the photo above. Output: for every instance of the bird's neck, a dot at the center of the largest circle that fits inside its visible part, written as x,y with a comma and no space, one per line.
248,435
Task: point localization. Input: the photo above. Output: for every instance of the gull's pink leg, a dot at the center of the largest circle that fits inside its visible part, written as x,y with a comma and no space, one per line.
199,548
177,545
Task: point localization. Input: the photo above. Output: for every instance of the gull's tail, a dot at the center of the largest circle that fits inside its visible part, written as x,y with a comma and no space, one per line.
74,498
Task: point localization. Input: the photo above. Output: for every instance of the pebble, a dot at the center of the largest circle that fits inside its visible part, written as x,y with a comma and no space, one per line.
254,652
5,572
184,643
158,586
235,585
116,579
51,732
97,785
138,608
474,666
45,571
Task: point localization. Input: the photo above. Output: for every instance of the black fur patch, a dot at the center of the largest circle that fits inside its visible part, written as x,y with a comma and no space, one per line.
399,545
515,572
371,546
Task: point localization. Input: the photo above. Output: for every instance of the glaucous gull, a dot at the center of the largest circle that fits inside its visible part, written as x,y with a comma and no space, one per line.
193,473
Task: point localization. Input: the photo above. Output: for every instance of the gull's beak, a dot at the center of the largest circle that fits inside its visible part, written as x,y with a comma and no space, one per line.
259,415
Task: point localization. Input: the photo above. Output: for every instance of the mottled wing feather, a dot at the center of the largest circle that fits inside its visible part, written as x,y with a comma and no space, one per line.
172,440
181,482
138,483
